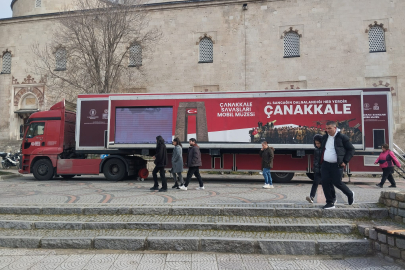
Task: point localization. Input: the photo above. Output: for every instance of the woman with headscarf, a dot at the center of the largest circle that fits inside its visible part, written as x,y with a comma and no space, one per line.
177,163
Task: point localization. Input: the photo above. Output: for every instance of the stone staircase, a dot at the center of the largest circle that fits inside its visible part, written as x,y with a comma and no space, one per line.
287,229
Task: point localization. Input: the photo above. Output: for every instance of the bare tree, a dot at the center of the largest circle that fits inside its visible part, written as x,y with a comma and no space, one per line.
91,47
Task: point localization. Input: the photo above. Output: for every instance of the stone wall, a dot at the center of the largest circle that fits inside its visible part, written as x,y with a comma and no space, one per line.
395,200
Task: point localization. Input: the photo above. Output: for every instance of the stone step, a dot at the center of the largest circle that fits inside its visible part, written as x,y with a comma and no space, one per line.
162,222
369,211
190,240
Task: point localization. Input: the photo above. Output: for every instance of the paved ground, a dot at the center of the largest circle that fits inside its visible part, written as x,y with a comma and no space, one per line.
219,189
82,259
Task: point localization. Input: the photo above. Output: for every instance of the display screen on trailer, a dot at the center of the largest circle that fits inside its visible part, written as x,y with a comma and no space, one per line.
143,124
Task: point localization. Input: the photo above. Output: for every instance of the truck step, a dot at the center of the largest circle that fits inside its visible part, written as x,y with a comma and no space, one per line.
190,240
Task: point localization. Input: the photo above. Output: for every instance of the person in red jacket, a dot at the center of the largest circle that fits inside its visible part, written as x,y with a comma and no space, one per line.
387,160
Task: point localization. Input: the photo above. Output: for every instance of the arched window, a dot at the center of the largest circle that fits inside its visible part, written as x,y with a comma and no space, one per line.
60,59
206,50
135,55
38,3
291,44
376,39
6,63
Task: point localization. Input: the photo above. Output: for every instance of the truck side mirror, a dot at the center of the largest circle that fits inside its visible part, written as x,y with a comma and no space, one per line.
21,131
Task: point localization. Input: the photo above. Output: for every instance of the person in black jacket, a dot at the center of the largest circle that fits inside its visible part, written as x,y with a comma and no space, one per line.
317,169
337,152
160,163
193,163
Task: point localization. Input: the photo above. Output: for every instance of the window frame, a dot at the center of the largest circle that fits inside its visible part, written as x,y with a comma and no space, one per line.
2,62
140,52
58,67
299,44
384,39
36,126
199,50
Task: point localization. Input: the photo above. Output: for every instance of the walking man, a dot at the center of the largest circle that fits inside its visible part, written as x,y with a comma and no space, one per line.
267,154
193,164
337,152
160,163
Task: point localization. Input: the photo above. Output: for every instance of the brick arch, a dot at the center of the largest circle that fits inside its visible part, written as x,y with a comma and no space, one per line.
33,90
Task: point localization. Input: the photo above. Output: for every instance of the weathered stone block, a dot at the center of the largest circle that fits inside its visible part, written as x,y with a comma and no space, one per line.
393,194
107,211
398,218
117,243
16,224
48,225
104,225
391,240
386,194
387,202
299,212
20,242
378,213
400,196
151,211
401,212
142,226
249,212
341,228
400,243
17,210
62,211
172,243
66,242
372,234
382,238
196,211
394,203
394,252
231,245
403,254
362,229
287,247
349,213
377,246
401,205
344,247
384,248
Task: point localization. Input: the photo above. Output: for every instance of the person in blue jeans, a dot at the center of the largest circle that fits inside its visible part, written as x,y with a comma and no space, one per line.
267,154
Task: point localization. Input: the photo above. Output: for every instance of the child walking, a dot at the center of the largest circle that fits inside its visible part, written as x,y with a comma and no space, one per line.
317,169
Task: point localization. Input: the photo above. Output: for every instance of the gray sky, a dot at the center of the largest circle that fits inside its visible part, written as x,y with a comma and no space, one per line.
5,10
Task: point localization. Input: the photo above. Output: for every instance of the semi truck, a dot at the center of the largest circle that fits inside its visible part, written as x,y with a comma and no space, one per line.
229,128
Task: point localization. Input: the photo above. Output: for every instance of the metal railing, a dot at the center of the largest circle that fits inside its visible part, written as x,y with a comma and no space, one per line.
400,154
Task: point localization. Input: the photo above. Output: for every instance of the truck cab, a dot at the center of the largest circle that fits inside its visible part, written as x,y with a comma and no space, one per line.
49,135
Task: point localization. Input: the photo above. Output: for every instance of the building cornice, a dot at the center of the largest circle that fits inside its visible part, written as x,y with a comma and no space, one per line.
152,6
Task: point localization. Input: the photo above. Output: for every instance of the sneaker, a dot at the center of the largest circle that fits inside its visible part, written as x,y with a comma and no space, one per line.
351,199
334,201
379,185
392,186
200,188
162,190
266,186
183,187
329,206
154,188
175,186
271,186
310,199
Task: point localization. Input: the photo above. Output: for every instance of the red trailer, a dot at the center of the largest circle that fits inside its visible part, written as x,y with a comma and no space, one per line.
229,128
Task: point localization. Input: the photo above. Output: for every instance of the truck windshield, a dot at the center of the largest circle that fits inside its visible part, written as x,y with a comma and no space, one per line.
36,129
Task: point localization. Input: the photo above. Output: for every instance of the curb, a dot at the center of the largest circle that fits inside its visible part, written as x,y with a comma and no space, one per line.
344,213
14,175
203,244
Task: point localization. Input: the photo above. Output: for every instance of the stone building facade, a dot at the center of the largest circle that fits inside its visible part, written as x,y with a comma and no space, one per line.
255,45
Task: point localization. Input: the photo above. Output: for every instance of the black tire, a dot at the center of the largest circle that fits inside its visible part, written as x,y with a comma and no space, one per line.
68,176
43,169
311,176
114,170
281,177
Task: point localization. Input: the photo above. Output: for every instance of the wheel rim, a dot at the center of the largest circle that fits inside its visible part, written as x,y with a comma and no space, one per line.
281,175
43,169
114,169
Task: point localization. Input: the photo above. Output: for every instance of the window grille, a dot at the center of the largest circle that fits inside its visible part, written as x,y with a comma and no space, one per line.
135,55
6,63
291,44
206,51
38,3
376,39
60,59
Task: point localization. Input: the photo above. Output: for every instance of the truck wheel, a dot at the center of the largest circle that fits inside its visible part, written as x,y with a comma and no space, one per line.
68,176
114,170
43,169
311,176
281,177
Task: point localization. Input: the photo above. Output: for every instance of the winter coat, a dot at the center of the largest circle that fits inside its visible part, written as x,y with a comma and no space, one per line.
317,159
177,159
389,158
161,155
267,157
194,157
343,147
